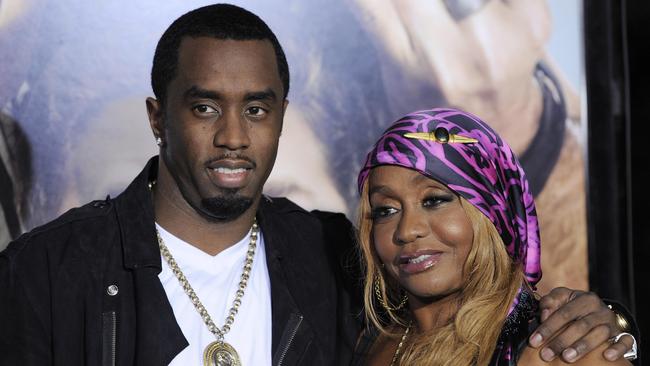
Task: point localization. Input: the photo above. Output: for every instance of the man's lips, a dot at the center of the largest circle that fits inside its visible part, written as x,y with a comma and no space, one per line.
419,261
230,173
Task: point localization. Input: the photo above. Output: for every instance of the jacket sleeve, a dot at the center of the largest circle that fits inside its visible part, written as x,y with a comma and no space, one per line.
24,337
339,235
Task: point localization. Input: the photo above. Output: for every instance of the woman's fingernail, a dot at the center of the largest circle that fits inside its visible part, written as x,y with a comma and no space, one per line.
547,354
536,340
569,354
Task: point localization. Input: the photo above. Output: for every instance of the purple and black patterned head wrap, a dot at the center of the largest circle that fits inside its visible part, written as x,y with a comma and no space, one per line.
486,173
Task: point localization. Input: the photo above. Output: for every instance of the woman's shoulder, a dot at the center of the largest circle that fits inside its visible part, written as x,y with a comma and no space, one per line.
531,357
364,345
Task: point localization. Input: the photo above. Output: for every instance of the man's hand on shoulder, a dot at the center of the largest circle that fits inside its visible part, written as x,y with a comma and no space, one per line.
575,323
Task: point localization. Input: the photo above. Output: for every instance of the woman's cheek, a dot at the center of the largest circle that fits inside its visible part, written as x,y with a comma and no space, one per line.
383,244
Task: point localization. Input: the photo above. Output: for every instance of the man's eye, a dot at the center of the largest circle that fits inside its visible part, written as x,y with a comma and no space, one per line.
205,109
382,212
256,111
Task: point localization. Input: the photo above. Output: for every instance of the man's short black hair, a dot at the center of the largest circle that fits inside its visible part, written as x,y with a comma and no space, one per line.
220,21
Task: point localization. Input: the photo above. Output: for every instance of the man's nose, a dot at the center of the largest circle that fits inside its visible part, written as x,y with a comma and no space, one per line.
233,132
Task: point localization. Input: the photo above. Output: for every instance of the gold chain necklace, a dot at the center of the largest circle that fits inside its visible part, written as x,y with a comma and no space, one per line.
217,353
401,343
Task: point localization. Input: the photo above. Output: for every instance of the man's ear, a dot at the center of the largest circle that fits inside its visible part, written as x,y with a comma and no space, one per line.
285,104
156,120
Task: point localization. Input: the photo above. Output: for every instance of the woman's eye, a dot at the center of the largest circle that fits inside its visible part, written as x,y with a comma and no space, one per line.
256,111
435,201
381,212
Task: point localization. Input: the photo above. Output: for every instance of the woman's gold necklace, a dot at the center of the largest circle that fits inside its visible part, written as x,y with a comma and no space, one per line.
217,353
401,343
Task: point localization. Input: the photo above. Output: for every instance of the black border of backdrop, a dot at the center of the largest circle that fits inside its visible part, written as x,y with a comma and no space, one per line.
618,106
608,191
638,40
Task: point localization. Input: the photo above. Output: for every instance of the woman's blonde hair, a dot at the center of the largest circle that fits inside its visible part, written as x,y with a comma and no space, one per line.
491,282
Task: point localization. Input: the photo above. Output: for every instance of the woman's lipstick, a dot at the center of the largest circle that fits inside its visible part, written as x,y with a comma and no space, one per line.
419,261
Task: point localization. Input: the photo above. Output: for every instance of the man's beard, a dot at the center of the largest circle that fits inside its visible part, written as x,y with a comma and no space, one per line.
226,207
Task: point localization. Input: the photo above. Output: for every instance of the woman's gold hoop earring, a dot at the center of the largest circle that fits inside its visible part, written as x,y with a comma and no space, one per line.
383,301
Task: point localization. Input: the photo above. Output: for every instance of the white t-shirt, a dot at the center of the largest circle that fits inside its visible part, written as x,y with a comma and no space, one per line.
215,280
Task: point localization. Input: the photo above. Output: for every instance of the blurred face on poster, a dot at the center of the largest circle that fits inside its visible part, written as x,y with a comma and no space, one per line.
481,54
302,171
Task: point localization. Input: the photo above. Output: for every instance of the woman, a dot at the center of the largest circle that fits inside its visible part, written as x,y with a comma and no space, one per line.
449,234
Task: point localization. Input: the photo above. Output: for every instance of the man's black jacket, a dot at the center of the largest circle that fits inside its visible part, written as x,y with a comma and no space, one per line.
55,308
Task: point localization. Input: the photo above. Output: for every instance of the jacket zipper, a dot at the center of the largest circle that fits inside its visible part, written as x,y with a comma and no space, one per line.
109,338
292,335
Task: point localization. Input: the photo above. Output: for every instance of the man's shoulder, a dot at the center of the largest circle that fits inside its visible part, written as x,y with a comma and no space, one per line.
87,214
284,207
89,218
332,232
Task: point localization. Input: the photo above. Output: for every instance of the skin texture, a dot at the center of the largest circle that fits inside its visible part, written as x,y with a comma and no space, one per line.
224,108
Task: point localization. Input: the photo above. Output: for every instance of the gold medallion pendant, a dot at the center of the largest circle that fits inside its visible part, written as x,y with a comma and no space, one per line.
220,354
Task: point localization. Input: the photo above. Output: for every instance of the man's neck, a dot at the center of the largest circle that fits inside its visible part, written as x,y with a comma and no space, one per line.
175,214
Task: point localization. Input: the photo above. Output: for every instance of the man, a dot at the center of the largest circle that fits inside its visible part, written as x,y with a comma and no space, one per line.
191,263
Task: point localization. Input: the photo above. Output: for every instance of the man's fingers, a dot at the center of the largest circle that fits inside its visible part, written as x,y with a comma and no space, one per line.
618,349
584,345
556,321
575,323
581,305
552,301
576,339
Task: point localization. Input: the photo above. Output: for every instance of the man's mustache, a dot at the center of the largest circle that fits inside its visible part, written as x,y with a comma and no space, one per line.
231,156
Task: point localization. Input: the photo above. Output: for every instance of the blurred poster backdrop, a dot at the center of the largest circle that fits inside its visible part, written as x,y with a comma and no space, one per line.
74,75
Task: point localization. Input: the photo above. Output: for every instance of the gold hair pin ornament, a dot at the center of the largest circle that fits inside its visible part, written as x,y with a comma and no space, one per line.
442,136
